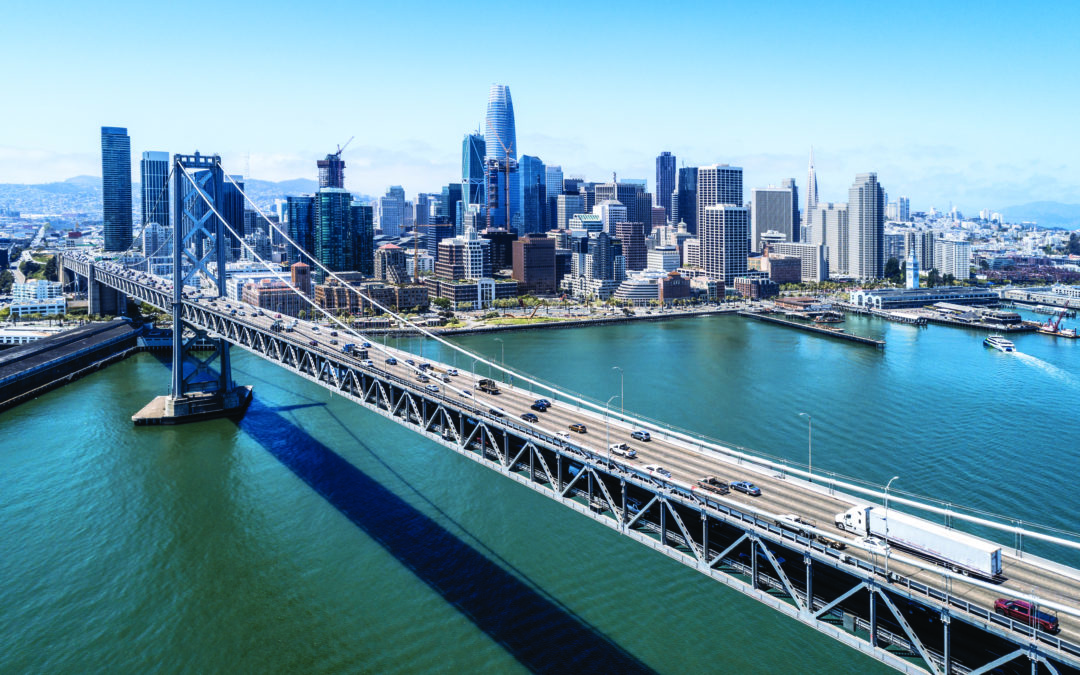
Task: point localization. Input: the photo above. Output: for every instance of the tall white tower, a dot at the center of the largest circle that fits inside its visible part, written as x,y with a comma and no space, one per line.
912,270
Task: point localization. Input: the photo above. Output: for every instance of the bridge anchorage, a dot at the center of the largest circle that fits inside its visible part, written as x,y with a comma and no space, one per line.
198,238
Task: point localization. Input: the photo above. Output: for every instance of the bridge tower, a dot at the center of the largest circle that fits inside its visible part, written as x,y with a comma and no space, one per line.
200,247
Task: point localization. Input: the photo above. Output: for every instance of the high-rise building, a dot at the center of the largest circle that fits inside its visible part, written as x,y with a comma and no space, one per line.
301,277
831,224
866,223
718,184
953,257
553,181
473,150
231,207
912,271
771,211
611,212
500,137
392,211
632,236
926,249
334,235
796,220
534,264
332,171
659,218
299,212
390,264
533,195
363,218
812,196
665,180
501,248
568,206
724,230
465,257
684,199
629,194
904,206
813,264
116,187
154,170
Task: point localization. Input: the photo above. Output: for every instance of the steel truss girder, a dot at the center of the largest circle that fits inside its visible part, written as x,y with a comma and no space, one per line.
779,572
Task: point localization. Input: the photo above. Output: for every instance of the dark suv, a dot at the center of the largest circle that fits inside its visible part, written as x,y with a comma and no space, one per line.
1021,611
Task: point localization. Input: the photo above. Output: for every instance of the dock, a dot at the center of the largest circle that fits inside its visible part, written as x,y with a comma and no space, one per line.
820,330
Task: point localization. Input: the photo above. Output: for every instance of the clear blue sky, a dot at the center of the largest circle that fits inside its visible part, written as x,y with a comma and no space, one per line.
974,103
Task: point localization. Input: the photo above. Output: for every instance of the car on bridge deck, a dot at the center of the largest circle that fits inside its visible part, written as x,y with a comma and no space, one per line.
746,487
1021,610
640,435
539,407
391,361
530,417
432,387
578,428
655,470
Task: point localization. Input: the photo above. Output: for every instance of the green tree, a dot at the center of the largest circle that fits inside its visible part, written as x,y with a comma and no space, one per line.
442,303
1073,247
892,268
29,268
6,280
51,272
933,278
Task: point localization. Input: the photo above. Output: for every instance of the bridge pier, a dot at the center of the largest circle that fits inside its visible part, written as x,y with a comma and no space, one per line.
103,300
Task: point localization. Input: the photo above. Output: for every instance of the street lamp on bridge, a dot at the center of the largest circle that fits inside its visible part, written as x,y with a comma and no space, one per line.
622,401
809,444
888,547
607,424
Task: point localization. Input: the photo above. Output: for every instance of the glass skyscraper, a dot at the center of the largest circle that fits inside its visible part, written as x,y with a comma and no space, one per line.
154,169
684,199
665,180
533,195
333,234
472,169
299,212
500,137
116,187
363,217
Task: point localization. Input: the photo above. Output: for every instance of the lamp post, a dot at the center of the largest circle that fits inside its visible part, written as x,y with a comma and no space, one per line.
622,401
888,548
809,443
607,426
475,375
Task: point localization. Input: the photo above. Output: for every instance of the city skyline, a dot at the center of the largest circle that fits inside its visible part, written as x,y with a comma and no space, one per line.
960,119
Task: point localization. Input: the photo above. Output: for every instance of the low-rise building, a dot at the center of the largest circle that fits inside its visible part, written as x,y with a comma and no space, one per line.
37,296
756,288
901,298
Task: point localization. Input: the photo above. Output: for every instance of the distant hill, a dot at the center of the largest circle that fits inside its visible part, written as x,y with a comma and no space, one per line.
1046,214
82,194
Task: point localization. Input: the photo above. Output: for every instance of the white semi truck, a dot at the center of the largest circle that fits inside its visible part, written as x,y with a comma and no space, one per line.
956,550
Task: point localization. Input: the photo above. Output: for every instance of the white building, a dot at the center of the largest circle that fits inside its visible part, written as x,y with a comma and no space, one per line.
953,257
664,258
815,267
724,232
611,213
424,261
866,227
37,297
771,211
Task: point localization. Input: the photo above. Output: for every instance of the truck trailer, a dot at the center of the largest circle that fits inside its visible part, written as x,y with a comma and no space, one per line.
956,550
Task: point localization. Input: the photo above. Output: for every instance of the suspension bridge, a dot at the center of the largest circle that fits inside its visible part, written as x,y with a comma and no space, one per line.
913,612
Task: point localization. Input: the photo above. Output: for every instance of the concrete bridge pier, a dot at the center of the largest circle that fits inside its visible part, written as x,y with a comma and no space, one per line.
103,300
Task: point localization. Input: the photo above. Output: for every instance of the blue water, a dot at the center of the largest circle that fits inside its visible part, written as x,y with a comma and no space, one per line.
318,537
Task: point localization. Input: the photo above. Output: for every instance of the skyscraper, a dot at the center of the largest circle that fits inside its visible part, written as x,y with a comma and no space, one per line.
363,217
116,187
684,199
665,180
392,211
632,236
724,233
866,223
812,196
831,228
772,211
473,150
718,184
232,210
533,195
332,171
554,187
904,206
154,169
567,207
500,137
333,233
299,211
796,221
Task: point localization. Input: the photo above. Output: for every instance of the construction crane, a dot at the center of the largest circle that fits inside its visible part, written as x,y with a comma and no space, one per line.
341,148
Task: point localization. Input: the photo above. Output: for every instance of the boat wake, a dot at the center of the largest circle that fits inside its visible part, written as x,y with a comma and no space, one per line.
1048,368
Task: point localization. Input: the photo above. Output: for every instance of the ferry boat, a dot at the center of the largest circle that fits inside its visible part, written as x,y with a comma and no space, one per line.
999,343
829,316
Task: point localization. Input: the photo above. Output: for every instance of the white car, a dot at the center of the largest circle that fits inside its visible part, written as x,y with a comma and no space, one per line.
875,544
622,450
564,435
654,470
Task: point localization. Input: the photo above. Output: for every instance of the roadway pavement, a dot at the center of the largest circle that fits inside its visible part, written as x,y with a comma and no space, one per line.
688,465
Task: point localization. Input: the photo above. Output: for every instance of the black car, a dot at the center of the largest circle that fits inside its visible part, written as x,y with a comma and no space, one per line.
544,402
391,361
529,417
538,407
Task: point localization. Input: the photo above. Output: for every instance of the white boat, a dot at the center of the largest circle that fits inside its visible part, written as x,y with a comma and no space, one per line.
999,343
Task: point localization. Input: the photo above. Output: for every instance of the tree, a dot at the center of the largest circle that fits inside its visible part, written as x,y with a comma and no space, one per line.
442,303
933,278
6,281
892,268
1073,247
51,272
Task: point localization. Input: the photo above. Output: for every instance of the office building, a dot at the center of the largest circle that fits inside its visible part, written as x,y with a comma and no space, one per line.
831,224
154,172
433,234
501,247
814,268
659,218
724,235
116,188
231,207
37,296
771,211
568,206
812,198
718,184
684,199
392,211
275,297
473,150
665,258
299,213
597,266
665,181
390,264
904,208
533,195
301,277
630,194
796,219
500,158
465,257
611,212
866,227
632,236
363,221
534,264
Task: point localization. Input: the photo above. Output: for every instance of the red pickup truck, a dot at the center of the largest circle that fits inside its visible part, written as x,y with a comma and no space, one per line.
1021,611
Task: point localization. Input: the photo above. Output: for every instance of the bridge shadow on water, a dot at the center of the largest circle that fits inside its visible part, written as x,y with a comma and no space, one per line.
542,635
